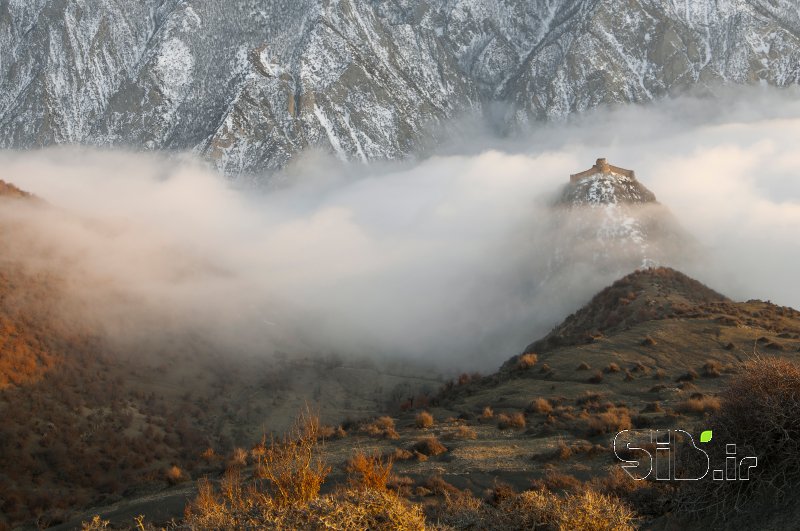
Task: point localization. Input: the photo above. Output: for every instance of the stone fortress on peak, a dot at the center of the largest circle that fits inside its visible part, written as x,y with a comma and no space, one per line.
601,166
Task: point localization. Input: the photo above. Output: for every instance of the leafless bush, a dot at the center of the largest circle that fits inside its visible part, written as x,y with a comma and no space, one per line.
760,413
368,471
291,465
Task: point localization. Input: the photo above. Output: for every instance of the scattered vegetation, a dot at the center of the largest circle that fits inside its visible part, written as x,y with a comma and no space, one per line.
381,427
584,510
612,421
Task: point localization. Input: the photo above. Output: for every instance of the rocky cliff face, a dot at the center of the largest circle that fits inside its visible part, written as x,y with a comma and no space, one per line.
249,83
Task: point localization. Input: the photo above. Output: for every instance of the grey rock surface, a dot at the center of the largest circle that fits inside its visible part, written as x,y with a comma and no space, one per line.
250,83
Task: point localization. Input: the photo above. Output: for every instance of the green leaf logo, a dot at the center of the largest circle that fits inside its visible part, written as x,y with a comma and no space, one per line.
706,436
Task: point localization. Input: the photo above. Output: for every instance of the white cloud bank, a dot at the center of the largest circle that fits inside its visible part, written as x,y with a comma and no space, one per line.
439,259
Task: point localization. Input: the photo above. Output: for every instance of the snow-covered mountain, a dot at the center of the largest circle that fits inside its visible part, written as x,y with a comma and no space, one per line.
608,222
249,83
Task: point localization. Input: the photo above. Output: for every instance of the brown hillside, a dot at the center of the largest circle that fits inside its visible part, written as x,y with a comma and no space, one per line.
9,190
644,295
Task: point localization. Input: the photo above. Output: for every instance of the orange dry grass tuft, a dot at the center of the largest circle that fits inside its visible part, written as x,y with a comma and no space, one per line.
541,406
526,361
699,405
423,420
368,471
381,427
514,420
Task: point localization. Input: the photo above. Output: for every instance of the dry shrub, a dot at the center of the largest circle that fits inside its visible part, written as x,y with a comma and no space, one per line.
651,498
712,369
208,455
596,378
557,481
423,420
760,413
612,368
584,366
401,454
462,432
541,406
429,446
565,451
514,420
238,457
381,427
368,471
487,414
612,421
175,475
345,509
95,524
291,465
400,484
648,341
653,407
586,510
689,376
330,432
526,361
437,485
590,399
289,498
660,374
699,405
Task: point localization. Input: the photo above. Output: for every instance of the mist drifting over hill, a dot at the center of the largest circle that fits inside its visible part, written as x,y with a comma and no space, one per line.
443,258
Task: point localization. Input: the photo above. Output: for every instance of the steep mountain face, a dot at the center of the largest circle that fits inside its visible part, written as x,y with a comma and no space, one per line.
608,223
249,83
